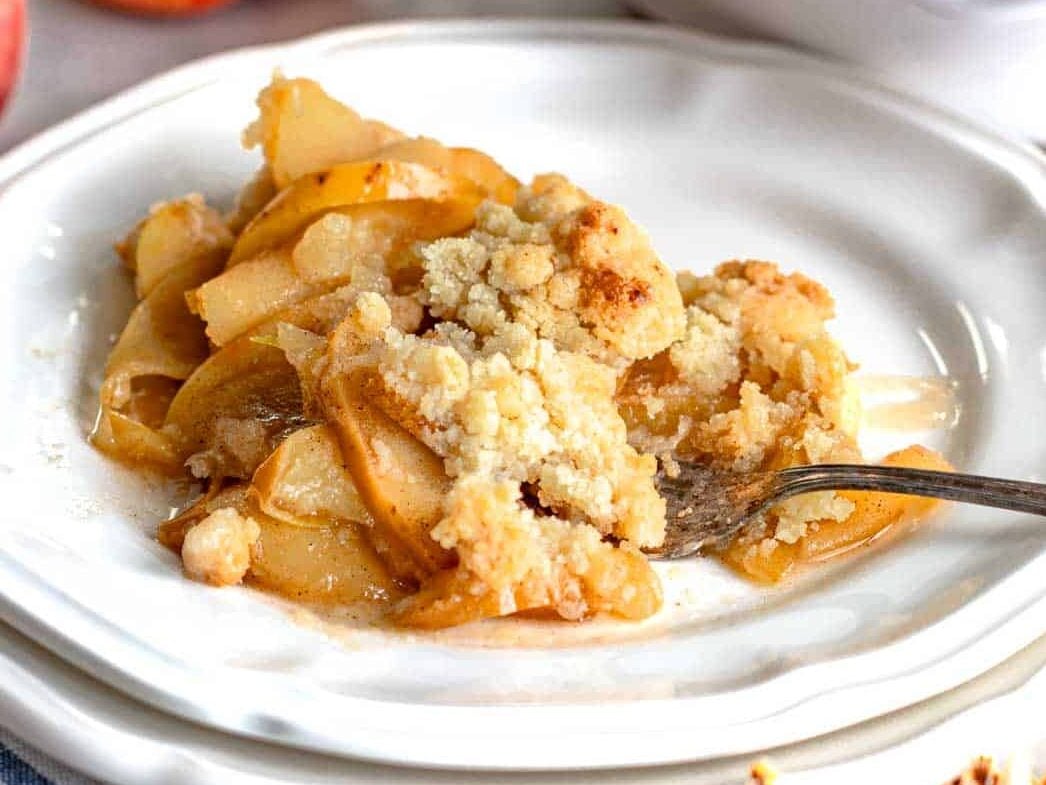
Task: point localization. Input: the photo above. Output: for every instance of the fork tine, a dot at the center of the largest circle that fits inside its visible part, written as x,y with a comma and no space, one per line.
707,506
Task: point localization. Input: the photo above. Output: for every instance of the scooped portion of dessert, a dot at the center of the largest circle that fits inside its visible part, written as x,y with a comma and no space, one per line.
407,380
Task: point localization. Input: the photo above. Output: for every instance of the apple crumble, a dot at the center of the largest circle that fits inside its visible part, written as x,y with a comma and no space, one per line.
406,379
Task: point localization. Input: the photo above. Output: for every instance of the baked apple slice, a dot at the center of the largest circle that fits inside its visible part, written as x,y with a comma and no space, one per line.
343,185
248,294
174,232
162,344
302,129
305,482
162,337
332,564
363,238
401,481
232,412
873,515
480,168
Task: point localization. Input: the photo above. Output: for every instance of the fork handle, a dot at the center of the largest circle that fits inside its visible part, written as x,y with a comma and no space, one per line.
970,488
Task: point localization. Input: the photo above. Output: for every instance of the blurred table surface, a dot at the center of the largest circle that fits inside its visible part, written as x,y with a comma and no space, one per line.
80,53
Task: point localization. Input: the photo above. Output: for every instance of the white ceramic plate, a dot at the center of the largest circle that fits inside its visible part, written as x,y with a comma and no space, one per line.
77,721
930,232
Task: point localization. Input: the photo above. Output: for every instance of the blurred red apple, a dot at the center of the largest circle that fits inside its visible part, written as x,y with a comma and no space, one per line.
165,7
12,44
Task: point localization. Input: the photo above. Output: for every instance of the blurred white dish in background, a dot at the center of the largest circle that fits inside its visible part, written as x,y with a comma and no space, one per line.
986,59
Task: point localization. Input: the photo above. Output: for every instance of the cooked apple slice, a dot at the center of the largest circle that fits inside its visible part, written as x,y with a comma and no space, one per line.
302,130
321,313
620,581
235,408
335,248
128,440
874,513
480,168
247,294
251,200
161,338
452,597
334,564
401,481
312,195
133,434
174,233
762,564
171,533
253,296
151,396
617,581
161,344
305,482
400,564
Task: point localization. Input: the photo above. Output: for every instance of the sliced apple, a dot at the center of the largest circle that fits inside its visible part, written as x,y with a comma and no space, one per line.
617,581
258,192
244,383
334,564
620,581
302,129
246,295
133,442
480,168
400,564
161,338
174,233
401,481
874,513
453,596
343,185
342,242
305,482
171,533
766,565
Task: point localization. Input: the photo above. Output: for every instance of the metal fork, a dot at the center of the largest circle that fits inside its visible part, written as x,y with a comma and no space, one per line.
708,507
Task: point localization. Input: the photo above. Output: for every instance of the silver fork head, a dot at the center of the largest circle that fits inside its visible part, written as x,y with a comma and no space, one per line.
708,507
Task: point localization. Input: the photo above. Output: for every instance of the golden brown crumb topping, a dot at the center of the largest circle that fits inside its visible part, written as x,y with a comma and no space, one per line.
587,280
514,407
217,550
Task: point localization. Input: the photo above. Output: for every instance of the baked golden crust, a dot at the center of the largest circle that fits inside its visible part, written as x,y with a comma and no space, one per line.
586,279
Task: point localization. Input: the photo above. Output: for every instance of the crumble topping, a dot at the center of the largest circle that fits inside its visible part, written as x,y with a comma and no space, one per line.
514,407
217,550
587,280
514,388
